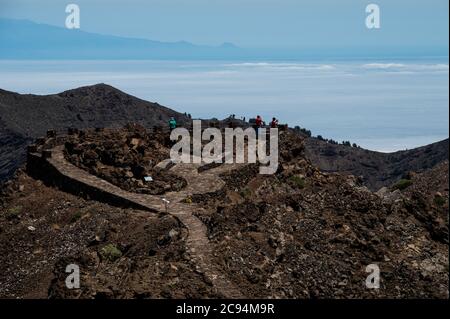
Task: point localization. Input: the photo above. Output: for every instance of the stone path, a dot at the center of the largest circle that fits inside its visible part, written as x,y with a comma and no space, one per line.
197,242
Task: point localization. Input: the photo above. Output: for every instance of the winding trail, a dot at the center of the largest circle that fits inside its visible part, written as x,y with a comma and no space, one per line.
198,245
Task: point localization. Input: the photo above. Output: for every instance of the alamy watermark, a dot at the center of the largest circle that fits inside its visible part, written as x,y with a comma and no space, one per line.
373,20
73,279
73,19
373,279
237,141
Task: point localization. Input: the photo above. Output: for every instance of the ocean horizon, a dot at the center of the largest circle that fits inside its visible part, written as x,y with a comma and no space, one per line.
381,105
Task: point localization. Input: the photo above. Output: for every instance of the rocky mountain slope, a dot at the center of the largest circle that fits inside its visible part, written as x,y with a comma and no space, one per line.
300,233
25,116
137,258
303,233
376,169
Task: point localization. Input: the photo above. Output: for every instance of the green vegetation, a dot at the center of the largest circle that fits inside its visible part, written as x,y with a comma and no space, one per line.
402,184
299,129
331,141
110,252
75,217
13,212
346,143
439,201
245,193
297,181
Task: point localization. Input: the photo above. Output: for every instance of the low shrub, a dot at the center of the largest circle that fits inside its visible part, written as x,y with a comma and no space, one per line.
439,201
75,217
402,184
13,212
110,252
297,181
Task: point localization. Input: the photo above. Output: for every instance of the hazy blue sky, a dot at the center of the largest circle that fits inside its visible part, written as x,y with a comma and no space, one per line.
252,23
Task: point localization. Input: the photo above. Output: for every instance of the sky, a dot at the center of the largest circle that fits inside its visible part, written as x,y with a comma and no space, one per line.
252,23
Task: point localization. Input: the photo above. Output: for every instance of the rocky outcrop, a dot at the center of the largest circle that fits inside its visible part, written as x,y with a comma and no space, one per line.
125,157
303,233
300,233
48,163
375,168
24,117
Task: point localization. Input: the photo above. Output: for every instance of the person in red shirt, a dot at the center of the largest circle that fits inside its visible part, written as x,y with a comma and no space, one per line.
274,123
258,121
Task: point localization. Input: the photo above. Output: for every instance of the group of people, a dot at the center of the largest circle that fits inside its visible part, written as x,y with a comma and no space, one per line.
259,122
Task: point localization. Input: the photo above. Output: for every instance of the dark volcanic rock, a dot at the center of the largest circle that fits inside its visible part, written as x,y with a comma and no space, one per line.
377,169
12,146
24,117
299,233
303,233
124,157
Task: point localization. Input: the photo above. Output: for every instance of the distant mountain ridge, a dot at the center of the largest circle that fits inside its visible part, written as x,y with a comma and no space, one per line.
377,169
24,117
24,39
28,40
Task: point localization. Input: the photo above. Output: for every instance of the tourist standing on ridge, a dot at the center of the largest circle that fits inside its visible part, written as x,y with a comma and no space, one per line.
172,123
274,123
258,121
